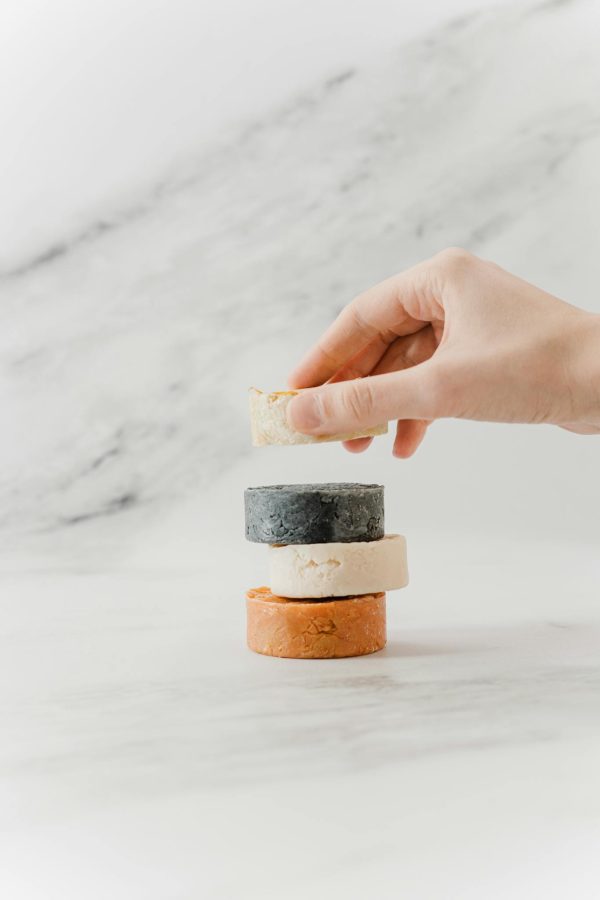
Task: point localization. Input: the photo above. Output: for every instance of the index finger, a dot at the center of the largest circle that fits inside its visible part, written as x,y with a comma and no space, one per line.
384,312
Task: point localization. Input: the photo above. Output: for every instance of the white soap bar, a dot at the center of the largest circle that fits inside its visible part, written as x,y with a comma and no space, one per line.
268,420
338,570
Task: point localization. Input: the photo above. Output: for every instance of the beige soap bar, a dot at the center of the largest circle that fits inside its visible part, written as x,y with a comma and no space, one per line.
269,425
315,629
338,569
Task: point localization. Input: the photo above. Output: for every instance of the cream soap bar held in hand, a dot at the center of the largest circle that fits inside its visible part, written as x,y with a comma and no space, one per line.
268,418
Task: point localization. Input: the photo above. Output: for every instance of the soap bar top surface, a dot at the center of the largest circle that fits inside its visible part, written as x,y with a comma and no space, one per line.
269,425
314,513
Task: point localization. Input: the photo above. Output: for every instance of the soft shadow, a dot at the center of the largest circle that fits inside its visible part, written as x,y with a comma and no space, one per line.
404,649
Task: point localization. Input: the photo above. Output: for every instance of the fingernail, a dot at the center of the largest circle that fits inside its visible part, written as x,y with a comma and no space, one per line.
304,413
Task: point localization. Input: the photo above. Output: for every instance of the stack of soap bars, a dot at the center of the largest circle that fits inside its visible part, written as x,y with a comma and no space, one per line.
330,566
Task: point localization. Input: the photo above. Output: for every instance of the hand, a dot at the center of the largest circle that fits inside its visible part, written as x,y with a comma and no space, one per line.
455,336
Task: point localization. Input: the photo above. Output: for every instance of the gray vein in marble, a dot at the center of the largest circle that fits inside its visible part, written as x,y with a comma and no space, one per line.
165,188
551,5
114,506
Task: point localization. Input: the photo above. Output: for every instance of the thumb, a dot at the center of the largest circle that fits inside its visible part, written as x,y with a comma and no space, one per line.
364,402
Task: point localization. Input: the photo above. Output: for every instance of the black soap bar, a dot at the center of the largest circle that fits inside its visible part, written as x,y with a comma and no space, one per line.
314,513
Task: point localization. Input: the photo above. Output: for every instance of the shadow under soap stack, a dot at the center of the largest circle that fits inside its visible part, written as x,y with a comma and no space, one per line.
330,565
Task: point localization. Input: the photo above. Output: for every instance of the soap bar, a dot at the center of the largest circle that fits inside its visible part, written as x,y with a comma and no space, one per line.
315,629
338,570
269,422
314,513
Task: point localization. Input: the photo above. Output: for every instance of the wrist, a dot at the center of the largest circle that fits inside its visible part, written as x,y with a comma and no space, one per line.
583,367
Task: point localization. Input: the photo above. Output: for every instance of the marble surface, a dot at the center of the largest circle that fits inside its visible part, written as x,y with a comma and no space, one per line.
145,753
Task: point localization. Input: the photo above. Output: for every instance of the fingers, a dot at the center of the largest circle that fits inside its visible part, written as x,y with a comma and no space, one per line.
377,358
397,306
407,351
364,362
359,445
365,402
403,353
409,434
576,428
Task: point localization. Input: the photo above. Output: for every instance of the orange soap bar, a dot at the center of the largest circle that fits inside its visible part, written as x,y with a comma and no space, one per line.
315,629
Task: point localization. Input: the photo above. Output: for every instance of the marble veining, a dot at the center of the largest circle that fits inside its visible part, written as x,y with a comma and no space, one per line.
144,731
381,165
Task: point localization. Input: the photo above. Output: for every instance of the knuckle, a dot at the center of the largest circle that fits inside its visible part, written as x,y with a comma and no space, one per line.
358,400
433,385
326,405
444,386
329,357
355,309
454,260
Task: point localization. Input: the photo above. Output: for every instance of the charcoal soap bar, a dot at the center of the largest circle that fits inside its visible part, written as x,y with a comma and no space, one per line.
314,513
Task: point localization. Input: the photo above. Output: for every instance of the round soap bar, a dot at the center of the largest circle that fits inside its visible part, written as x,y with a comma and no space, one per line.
315,629
337,570
314,513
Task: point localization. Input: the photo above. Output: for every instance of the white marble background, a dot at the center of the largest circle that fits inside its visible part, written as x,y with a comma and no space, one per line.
189,194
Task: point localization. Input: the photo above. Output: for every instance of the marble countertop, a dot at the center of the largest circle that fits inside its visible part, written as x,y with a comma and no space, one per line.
145,753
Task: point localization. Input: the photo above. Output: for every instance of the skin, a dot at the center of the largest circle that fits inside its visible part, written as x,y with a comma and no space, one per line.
456,336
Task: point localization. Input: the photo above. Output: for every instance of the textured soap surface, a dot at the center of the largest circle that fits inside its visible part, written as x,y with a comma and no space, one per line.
314,513
338,570
313,629
269,425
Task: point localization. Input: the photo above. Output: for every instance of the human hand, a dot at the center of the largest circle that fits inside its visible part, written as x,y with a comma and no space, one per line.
455,336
